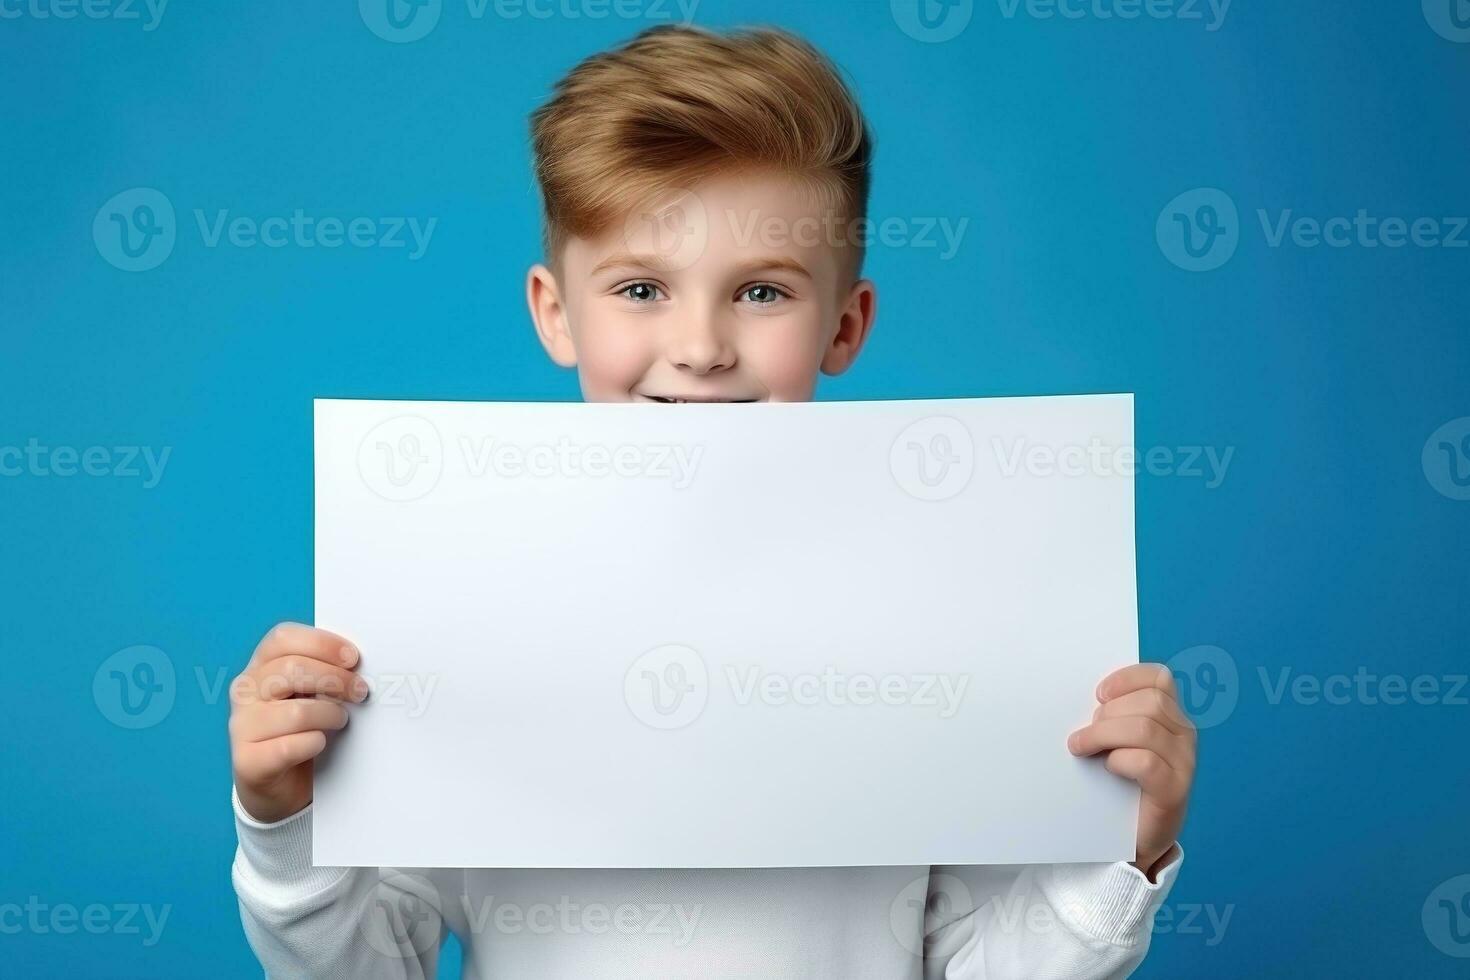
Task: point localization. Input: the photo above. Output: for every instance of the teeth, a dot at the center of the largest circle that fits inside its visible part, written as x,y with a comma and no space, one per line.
667,400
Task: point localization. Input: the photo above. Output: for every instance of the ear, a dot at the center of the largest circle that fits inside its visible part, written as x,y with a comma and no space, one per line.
549,315
854,323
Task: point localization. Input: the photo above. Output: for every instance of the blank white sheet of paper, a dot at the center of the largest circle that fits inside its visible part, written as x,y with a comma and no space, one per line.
654,636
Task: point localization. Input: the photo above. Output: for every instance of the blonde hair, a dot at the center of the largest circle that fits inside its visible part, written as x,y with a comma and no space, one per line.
677,104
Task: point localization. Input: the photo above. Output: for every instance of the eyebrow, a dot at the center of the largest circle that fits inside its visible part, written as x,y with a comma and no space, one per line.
774,264
627,260
656,263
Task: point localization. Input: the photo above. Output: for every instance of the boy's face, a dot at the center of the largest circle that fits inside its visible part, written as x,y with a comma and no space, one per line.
738,289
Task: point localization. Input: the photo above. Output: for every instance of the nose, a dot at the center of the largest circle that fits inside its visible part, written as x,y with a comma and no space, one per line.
701,346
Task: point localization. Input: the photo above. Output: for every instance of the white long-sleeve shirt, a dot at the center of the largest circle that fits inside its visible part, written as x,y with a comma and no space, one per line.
1039,922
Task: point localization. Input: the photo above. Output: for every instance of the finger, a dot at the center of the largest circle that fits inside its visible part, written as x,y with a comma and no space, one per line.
295,639
1159,781
1150,702
1132,732
293,675
1135,677
272,719
257,762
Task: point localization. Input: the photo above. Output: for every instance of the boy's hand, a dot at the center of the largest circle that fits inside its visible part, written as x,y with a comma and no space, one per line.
1148,739
281,707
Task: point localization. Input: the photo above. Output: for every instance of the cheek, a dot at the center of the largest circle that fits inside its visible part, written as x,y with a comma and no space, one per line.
787,359
611,358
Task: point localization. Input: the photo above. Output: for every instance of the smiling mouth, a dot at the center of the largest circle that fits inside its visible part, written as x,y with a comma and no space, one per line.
696,400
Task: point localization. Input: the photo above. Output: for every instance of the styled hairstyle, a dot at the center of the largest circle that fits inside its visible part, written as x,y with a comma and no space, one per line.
677,104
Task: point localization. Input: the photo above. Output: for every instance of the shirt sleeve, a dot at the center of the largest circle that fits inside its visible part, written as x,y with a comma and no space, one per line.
329,923
1041,922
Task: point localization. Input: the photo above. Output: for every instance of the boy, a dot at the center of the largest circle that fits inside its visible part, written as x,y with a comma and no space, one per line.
704,196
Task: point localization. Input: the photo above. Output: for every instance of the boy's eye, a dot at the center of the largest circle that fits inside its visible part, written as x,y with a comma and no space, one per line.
640,292
763,294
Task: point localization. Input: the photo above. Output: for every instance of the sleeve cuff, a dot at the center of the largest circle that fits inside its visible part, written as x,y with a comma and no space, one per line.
1112,903
276,857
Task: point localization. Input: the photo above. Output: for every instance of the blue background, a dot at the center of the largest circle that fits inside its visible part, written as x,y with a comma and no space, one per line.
1325,548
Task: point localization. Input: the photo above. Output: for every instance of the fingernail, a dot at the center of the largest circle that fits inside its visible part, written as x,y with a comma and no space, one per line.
1072,742
349,655
360,688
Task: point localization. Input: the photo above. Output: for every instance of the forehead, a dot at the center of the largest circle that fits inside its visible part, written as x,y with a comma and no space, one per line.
720,225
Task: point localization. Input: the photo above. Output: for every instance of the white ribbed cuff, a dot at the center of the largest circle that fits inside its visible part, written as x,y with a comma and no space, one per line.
276,857
1112,903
